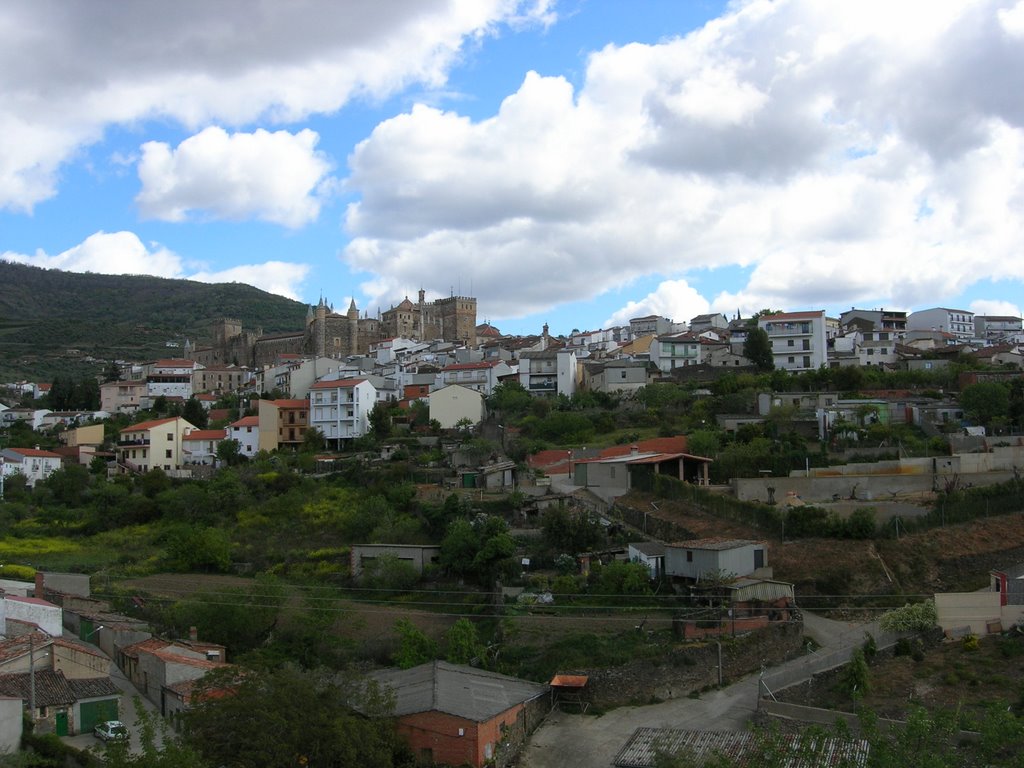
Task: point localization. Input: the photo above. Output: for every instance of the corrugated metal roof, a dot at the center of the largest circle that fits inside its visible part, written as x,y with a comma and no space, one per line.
457,690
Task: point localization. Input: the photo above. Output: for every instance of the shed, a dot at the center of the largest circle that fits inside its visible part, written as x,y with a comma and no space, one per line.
697,558
461,715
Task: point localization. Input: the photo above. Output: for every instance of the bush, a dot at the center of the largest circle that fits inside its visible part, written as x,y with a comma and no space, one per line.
915,617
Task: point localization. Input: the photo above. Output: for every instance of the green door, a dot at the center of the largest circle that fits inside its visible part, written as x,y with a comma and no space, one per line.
85,628
62,723
94,712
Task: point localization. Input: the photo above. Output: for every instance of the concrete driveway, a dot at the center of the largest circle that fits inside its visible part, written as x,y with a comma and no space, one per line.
567,740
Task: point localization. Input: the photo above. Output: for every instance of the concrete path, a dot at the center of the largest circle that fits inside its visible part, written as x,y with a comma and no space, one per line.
567,740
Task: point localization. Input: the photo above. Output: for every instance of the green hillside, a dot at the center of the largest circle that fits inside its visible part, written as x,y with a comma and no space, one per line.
52,321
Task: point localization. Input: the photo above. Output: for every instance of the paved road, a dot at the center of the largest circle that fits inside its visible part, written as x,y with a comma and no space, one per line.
567,740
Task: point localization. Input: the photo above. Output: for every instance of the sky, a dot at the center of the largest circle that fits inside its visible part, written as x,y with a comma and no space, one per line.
569,162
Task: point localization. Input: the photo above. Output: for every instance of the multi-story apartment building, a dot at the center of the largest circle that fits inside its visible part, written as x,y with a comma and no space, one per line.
282,423
481,376
340,409
32,463
219,379
247,432
122,396
958,322
551,372
200,446
651,325
993,329
676,351
153,444
170,378
798,339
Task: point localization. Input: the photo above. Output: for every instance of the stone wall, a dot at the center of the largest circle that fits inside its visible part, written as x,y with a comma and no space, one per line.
692,667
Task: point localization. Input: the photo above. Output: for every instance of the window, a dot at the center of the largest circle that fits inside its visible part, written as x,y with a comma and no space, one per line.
167,453
807,343
791,359
689,556
790,343
622,374
807,361
170,437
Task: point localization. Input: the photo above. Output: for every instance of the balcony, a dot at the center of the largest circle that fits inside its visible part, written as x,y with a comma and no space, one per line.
136,442
544,386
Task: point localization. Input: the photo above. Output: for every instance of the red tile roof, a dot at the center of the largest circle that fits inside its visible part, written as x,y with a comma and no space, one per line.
291,403
471,366
35,452
337,384
205,434
147,425
675,444
794,315
247,421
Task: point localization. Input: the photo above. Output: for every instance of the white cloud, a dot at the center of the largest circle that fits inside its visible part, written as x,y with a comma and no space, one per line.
67,71
279,277
108,253
270,176
674,299
995,307
123,253
850,153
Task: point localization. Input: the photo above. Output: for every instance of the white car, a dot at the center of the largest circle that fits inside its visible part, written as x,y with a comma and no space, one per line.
111,730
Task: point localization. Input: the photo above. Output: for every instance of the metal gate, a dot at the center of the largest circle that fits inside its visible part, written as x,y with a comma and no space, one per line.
95,712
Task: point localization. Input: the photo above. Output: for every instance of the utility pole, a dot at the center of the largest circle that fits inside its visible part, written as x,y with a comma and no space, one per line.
31,678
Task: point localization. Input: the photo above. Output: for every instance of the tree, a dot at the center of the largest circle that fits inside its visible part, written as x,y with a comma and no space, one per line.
758,349
290,717
195,414
313,440
160,746
509,397
463,643
111,372
380,420
986,402
230,452
571,531
414,647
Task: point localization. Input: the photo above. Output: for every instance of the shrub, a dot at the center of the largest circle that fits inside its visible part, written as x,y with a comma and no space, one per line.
970,642
915,617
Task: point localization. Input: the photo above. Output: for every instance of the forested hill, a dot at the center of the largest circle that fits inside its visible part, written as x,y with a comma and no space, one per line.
51,320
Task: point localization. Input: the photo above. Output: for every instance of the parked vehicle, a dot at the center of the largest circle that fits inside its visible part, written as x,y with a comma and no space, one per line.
111,730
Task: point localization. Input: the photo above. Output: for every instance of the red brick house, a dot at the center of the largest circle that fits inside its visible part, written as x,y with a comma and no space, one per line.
460,715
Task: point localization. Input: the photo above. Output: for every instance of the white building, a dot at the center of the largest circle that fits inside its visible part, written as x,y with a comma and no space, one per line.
676,351
481,376
798,339
551,372
200,446
31,610
450,405
958,322
170,378
33,463
341,409
247,432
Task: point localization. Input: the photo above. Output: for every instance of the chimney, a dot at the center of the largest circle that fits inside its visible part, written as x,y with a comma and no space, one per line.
193,634
634,450
39,585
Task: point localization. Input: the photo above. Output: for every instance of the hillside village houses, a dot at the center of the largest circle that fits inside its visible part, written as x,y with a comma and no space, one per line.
436,355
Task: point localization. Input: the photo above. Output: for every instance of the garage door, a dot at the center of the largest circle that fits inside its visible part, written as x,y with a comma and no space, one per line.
94,712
